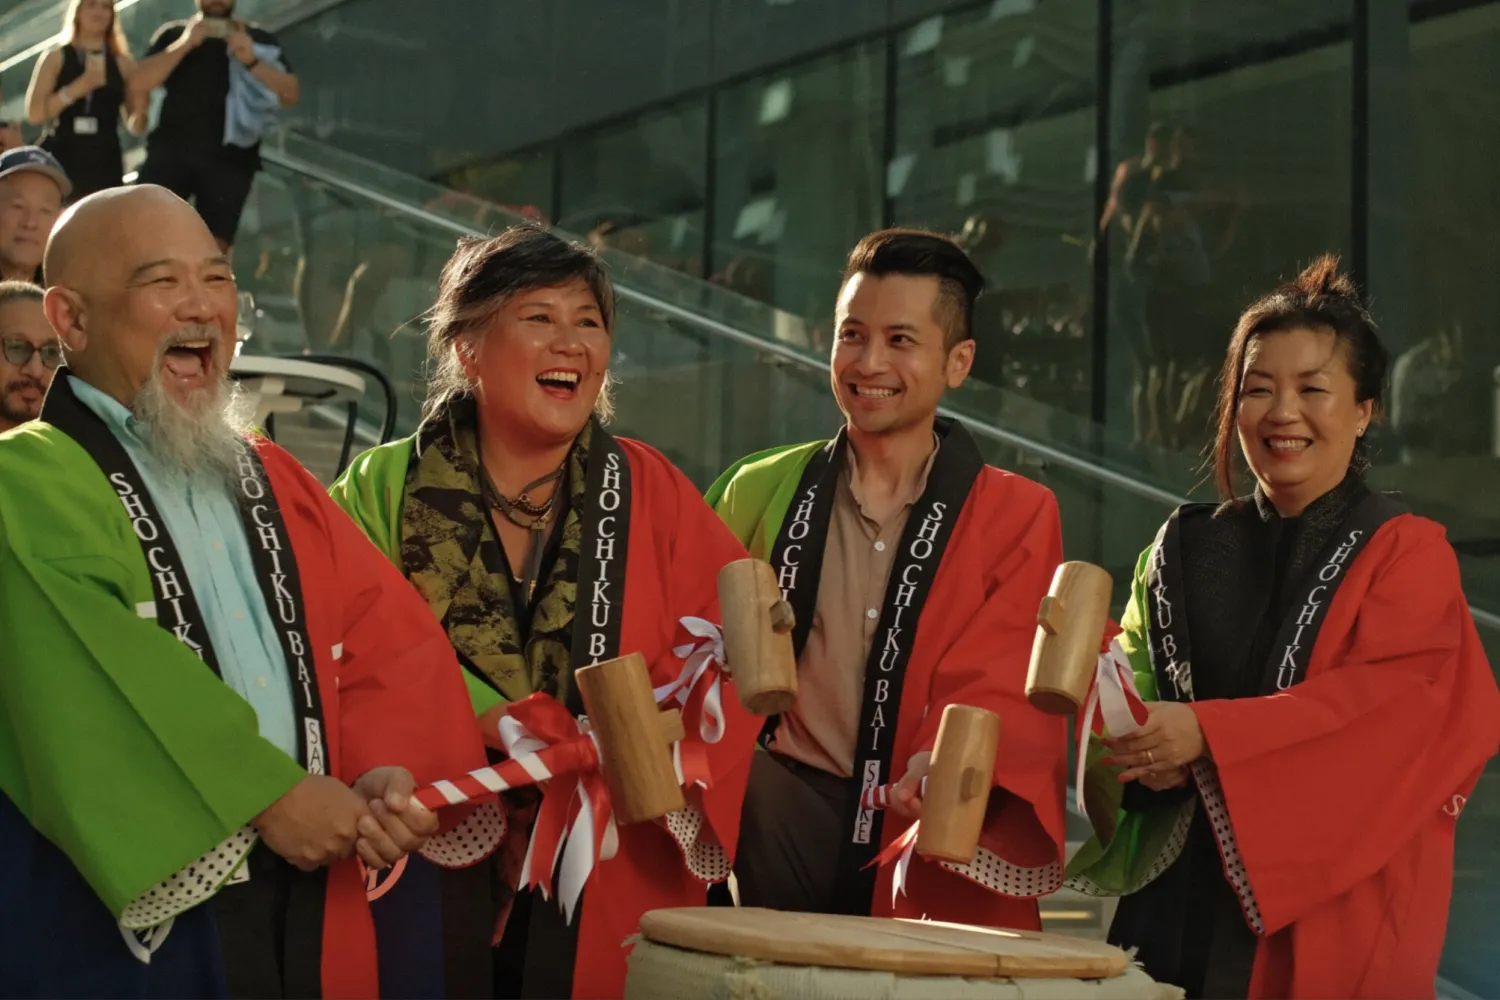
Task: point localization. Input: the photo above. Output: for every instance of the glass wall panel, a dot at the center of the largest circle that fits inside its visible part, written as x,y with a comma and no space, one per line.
427,93
799,178
751,34
639,185
995,131
1230,128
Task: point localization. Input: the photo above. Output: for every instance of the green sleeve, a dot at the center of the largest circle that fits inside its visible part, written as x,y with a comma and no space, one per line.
754,494
1133,630
118,745
1126,854
371,492
716,491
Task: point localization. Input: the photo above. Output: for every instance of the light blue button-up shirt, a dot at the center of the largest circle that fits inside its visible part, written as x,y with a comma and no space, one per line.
205,525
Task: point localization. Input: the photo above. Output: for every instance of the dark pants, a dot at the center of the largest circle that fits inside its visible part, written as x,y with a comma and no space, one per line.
218,186
793,827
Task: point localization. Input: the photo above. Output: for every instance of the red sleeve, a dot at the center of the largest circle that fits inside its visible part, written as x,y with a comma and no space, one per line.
1325,782
701,545
401,690
402,699
987,667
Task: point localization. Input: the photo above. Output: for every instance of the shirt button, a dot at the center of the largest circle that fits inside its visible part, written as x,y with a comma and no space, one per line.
218,546
239,615
260,682
880,546
872,614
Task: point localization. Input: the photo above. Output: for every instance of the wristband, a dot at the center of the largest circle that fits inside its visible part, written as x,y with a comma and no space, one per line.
252,64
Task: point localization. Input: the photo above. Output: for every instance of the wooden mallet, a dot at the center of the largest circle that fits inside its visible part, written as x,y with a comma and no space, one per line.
635,738
958,784
1070,623
956,791
757,627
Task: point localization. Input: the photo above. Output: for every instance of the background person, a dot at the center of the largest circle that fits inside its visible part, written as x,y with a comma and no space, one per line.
33,188
188,152
79,89
29,353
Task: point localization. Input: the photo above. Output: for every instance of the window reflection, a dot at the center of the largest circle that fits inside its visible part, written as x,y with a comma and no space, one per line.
994,137
799,176
638,186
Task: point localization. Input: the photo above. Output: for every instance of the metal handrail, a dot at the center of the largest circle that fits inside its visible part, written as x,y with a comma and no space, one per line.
1062,458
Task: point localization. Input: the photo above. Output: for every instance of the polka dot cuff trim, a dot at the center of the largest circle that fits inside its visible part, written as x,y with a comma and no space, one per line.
193,885
998,875
471,841
1212,792
705,858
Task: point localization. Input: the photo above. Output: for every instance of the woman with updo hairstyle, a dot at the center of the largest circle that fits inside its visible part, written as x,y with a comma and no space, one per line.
543,543
1320,708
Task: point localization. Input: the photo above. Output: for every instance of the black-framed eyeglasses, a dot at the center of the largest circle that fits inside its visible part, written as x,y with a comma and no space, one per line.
18,352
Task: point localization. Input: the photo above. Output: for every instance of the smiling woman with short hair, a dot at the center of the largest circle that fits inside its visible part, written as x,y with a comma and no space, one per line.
1315,683
543,543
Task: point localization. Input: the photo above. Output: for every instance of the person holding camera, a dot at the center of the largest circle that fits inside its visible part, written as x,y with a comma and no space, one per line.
191,151
78,91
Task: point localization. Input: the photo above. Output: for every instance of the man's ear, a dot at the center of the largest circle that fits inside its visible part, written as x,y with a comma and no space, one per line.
960,360
65,311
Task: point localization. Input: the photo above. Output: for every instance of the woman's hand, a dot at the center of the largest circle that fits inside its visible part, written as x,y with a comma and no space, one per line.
1170,740
1161,782
95,75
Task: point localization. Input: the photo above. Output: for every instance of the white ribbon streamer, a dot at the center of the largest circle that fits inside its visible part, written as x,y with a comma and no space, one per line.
575,859
1109,695
700,659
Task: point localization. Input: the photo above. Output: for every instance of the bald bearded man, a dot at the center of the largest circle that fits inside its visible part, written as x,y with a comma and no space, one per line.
219,696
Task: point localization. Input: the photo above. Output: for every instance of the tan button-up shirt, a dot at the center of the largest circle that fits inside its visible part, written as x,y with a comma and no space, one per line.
821,728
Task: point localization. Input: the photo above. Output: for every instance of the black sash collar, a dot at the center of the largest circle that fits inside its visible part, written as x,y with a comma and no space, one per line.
1170,644
604,522
797,558
175,608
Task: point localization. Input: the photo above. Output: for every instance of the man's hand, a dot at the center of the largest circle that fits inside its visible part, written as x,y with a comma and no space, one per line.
906,797
314,824
397,823
1170,739
198,32
242,46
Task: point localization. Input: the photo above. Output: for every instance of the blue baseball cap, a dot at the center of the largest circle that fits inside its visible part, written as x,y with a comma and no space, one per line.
37,160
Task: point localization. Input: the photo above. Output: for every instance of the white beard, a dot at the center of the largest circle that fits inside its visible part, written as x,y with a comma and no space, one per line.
202,438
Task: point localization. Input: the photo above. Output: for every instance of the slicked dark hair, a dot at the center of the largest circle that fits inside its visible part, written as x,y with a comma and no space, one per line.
1320,298
483,274
918,253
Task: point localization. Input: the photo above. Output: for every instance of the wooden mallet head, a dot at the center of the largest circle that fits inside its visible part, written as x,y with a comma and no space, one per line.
1070,623
958,784
757,626
635,738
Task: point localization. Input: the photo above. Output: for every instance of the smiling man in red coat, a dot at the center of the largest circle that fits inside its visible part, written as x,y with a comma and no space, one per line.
915,570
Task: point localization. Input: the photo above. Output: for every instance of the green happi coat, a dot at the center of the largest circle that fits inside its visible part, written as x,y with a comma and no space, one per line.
119,746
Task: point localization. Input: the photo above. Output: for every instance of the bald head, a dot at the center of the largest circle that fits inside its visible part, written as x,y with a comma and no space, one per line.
92,230
133,274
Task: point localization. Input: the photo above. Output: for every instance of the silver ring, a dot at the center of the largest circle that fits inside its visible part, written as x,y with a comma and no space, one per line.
1149,758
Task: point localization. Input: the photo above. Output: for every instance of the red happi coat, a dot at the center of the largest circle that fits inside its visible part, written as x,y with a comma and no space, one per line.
677,547
1343,791
673,554
393,695
972,647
